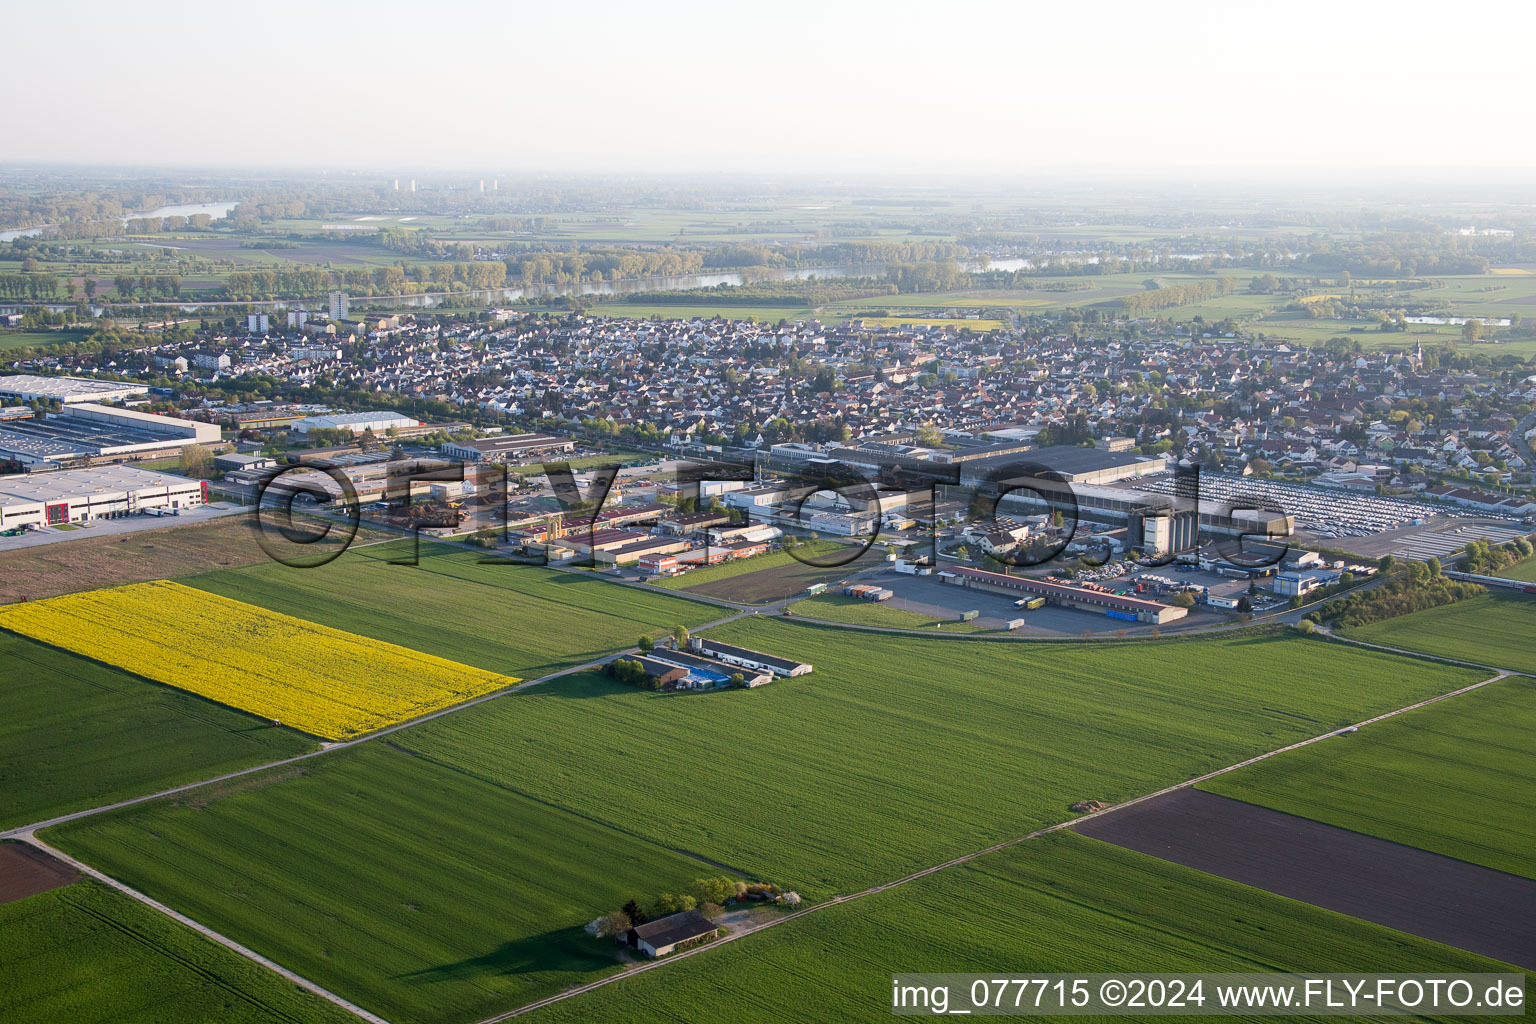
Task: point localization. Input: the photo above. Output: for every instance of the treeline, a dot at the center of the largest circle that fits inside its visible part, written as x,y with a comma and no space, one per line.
299,282
87,206
154,225
808,292
1168,296
29,286
1420,587
1484,559
840,253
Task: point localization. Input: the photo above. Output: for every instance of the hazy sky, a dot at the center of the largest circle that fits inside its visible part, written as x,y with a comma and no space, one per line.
822,86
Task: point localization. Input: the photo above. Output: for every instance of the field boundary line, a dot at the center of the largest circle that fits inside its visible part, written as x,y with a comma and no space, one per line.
204,930
994,848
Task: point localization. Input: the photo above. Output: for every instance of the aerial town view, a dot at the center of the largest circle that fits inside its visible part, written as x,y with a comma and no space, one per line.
498,519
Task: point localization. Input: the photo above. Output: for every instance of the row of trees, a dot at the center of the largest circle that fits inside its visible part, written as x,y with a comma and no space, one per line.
1168,296
1422,585
706,895
28,286
1489,560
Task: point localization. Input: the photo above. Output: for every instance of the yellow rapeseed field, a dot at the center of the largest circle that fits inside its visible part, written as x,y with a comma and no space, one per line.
323,681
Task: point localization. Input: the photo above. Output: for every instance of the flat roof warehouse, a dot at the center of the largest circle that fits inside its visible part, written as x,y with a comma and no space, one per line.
86,431
101,492
68,390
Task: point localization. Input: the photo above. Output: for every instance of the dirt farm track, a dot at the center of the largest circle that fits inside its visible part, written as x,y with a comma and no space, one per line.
1426,894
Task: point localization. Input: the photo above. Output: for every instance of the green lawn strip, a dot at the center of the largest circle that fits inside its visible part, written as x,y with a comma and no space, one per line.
1456,778
742,566
852,610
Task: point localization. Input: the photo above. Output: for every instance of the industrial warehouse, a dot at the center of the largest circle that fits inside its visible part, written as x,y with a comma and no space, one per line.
85,433
26,387
103,492
1084,597
509,447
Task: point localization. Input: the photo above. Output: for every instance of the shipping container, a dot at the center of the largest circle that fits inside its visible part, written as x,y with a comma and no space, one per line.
1126,616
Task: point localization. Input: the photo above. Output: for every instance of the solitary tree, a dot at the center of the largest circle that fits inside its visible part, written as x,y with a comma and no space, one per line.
195,460
646,645
680,636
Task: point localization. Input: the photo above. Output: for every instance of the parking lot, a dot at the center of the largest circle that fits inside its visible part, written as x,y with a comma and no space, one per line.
1436,539
131,524
1320,511
932,597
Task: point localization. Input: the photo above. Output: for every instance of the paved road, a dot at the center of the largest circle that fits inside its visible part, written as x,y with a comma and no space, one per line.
1517,438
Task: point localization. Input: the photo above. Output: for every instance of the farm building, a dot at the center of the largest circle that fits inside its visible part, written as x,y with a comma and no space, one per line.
710,671
105,492
741,656
666,672
663,935
1066,595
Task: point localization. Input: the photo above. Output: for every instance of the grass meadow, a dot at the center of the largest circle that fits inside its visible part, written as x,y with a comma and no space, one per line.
1494,629
1060,903
88,955
852,610
764,579
77,733
1455,778
1525,571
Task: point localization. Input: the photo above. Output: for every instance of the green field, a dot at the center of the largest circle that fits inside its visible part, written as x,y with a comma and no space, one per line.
519,620
11,340
1495,629
1060,903
838,608
1525,571
616,458
900,744
419,891
77,733
771,577
88,955
1456,778
454,861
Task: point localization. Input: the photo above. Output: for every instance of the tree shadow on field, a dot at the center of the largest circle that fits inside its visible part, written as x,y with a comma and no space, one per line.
565,950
